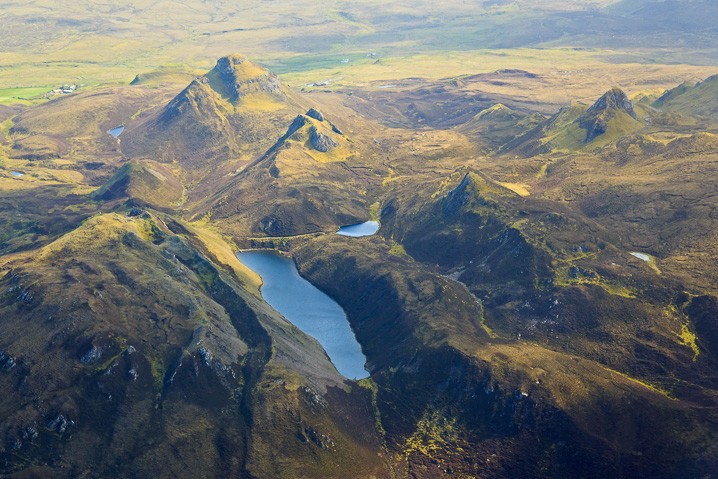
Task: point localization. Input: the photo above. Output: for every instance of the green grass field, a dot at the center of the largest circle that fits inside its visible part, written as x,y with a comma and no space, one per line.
306,42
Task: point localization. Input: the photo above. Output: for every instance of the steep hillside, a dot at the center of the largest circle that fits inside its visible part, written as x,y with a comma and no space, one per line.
300,185
450,395
139,354
539,300
228,115
693,99
576,127
145,182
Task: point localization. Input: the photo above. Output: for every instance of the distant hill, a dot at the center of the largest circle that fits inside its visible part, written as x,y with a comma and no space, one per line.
694,99
499,124
575,127
684,16
232,111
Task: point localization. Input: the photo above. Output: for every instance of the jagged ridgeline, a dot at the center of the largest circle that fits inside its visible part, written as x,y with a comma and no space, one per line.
236,110
240,147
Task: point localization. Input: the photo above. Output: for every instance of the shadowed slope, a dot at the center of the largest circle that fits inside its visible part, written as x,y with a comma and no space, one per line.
127,351
146,182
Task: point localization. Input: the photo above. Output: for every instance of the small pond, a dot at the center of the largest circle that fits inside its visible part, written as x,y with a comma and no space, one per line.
642,256
367,228
116,131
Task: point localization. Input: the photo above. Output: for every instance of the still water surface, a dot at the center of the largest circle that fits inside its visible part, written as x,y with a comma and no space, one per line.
367,228
116,131
308,308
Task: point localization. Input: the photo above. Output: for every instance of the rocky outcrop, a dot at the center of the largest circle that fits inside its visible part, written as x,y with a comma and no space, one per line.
7,362
237,77
613,99
316,114
320,141
235,107
596,119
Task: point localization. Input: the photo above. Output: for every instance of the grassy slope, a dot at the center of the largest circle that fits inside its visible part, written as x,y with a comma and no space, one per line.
616,191
390,297
200,343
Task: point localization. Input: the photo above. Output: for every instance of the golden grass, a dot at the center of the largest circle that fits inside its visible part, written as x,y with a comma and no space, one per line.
109,226
645,384
433,432
396,249
453,63
35,176
518,188
563,279
224,252
542,171
375,211
261,102
14,184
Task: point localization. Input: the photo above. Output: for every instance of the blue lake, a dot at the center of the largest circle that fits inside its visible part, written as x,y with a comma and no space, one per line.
308,308
116,131
367,228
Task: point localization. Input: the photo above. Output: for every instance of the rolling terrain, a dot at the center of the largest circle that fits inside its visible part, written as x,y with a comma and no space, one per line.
540,300
525,343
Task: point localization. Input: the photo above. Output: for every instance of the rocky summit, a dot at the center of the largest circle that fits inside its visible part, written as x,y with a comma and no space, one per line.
613,100
236,77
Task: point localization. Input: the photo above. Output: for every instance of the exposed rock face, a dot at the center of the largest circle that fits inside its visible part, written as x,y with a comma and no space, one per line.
316,114
614,99
458,197
7,362
320,141
596,119
238,76
91,356
60,424
595,127
236,107
296,125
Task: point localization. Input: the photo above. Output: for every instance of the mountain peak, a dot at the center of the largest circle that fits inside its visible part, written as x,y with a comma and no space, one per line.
613,108
613,99
316,114
320,137
234,77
